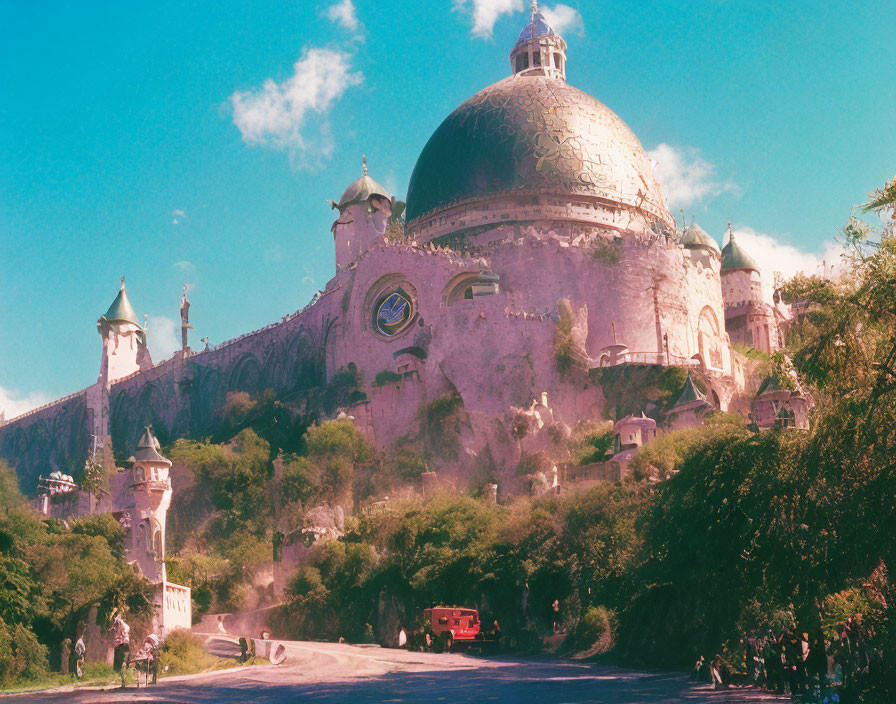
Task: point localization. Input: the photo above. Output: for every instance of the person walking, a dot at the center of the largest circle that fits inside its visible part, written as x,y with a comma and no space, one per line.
774,666
122,646
793,658
80,651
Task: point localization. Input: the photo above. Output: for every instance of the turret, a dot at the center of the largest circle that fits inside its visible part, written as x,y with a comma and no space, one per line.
702,247
124,340
364,212
689,408
748,319
151,490
741,282
539,51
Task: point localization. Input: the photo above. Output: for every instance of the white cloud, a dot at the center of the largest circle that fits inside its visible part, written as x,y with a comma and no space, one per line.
685,177
344,14
162,337
563,19
775,255
487,12
14,403
184,266
277,114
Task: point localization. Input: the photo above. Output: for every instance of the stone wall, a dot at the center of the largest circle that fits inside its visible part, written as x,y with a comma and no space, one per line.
640,298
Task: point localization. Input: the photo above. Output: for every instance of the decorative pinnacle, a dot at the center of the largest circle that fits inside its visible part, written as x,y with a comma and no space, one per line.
364,163
534,9
730,231
122,283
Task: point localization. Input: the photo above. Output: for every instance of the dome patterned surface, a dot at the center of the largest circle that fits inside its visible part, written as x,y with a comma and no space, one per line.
695,236
533,134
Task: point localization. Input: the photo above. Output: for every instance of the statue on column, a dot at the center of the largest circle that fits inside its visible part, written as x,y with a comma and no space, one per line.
184,320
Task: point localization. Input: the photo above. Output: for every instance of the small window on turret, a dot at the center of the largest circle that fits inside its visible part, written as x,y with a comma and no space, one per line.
556,60
522,62
536,58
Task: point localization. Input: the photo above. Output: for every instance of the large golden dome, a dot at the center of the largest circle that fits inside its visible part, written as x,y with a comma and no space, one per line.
534,134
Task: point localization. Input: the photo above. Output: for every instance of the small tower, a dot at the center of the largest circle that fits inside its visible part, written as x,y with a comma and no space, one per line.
702,247
151,490
539,51
741,281
689,408
124,340
364,211
748,319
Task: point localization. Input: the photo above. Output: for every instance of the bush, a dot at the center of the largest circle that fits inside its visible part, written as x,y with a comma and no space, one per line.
21,655
441,421
183,653
387,376
594,633
596,447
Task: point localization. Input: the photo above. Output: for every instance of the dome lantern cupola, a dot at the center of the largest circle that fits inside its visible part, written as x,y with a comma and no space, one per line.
539,51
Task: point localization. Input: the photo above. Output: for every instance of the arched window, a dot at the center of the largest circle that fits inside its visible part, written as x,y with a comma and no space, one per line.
708,341
139,474
144,534
158,548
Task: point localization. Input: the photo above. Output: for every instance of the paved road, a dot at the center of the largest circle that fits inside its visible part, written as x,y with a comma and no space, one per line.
334,673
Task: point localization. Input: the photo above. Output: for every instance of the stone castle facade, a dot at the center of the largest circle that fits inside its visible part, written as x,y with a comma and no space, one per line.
533,222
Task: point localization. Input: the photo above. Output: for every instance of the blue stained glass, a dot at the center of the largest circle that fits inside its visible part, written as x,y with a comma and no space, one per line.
393,313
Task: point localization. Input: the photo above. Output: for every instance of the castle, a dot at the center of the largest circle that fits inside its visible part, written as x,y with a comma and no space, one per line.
534,247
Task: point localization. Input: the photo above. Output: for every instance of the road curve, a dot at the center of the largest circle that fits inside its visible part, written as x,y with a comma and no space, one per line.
336,673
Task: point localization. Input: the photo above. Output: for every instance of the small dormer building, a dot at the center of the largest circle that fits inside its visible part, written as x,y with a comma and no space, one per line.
690,407
777,404
633,432
364,212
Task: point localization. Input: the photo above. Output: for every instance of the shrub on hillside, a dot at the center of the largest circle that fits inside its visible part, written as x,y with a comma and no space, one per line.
182,652
21,655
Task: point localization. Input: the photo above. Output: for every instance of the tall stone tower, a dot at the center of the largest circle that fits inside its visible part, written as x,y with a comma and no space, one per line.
749,320
124,352
151,489
364,211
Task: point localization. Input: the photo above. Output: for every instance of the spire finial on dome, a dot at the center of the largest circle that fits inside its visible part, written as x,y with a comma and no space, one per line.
730,231
364,163
539,51
122,284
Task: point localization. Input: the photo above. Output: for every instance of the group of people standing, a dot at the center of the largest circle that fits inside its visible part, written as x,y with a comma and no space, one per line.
801,664
144,659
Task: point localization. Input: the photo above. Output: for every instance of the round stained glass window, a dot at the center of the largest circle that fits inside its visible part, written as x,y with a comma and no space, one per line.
393,313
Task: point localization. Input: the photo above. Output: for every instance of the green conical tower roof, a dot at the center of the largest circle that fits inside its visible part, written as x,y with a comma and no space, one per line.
148,450
362,190
689,392
121,310
695,236
733,257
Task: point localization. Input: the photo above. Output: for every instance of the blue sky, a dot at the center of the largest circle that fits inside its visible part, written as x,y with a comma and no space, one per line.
171,142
